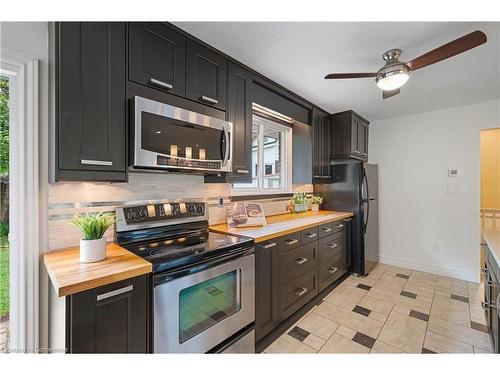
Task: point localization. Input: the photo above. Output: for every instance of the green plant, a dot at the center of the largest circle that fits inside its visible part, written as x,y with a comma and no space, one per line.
93,225
4,128
4,283
4,229
299,198
316,199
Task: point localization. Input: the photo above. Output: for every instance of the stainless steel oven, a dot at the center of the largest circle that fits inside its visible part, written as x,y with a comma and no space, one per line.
198,308
168,137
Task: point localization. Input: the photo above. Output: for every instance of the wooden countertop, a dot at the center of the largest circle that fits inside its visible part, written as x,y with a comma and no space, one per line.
492,238
280,225
69,276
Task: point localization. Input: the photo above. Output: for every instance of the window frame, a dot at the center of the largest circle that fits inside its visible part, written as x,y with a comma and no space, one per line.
286,158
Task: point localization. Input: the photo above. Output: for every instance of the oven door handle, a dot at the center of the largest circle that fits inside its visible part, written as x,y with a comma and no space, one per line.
226,146
167,276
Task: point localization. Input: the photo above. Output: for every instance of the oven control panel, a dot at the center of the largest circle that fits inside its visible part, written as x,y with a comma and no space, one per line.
163,212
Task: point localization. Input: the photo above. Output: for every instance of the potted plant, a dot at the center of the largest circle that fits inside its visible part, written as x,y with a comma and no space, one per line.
93,226
299,202
316,200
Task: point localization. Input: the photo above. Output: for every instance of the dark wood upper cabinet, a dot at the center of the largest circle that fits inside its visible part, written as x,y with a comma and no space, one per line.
350,136
321,147
110,319
157,57
206,74
90,101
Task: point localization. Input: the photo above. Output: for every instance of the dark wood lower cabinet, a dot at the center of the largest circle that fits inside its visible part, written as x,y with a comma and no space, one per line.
291,270
110,319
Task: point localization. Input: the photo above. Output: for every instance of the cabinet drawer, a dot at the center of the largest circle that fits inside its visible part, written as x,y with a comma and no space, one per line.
325,230
290,241
330,270
331,246
338,226
296,261
297,292
308,235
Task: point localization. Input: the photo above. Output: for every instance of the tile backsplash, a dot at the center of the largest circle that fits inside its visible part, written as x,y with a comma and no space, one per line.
68,198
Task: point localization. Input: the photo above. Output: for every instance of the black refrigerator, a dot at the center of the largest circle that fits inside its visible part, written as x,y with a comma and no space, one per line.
354,188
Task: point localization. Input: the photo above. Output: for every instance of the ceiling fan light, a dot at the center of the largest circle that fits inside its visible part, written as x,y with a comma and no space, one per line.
393,81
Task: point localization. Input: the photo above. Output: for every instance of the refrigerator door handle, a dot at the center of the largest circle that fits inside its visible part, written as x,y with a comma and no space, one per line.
365,224
366,187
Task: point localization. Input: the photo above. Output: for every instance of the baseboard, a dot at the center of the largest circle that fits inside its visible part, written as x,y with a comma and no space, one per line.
424,267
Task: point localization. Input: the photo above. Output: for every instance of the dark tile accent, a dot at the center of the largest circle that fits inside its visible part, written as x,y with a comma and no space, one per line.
363,286
362,310
479,327
459,298
408,294
364,340
298,333
403,276
427,351
419,315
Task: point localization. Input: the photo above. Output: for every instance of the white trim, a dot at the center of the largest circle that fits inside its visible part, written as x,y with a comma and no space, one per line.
424,267
24,237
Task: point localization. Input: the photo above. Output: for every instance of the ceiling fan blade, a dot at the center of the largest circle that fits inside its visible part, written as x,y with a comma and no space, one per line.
388,93
448,50
350,75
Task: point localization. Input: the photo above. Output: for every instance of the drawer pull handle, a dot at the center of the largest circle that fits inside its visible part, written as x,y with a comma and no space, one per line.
332,270
301,260
291,242
157,82
208,99
339,225
327,229
96,162
246,171
269,245
301,291
333,245
311,235
115,292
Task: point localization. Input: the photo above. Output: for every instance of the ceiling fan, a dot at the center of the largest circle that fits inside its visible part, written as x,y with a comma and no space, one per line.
395,73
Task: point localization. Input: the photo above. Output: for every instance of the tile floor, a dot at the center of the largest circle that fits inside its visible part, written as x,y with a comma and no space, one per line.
392,310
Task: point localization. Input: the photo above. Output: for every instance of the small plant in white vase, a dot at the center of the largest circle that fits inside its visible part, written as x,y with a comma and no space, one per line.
93,226
315,202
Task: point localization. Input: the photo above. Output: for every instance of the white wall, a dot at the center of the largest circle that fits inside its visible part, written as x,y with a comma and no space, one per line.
421,226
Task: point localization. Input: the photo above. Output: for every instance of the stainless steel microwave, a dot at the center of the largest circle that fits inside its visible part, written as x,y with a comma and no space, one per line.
168,137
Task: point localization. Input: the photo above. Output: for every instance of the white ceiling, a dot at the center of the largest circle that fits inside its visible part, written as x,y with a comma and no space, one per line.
298,55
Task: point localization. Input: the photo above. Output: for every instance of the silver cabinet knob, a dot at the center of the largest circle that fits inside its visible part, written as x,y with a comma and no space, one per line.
332,270
301,291
291,241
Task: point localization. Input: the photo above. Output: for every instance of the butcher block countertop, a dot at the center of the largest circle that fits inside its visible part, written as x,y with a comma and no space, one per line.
69,276
280,225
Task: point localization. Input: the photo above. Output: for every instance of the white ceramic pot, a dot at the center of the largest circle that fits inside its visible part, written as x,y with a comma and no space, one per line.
315,207
92,250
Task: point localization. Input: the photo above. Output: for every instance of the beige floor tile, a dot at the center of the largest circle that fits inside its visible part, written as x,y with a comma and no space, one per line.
449,309
477,314
346,296
404,332
427,280
397,299
390,283
442,344
346,332
367,280
481,351
459,332
376,305
475,291
393,270
340,344
382,348
287,344
423,293
378,317
406,310
318,325
350,319
314,342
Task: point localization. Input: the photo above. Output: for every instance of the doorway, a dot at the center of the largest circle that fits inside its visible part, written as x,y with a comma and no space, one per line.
490,179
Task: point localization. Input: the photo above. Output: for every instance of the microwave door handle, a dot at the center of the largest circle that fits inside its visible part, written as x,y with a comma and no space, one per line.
226,146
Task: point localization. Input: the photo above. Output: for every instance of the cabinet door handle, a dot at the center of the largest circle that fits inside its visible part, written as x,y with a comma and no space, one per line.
356,152
291,242
242,171
317,176
301,291
332,270
115,292
208,99
311,235
301,260
338,225
327,230
157,82
96,162
333,245
269,245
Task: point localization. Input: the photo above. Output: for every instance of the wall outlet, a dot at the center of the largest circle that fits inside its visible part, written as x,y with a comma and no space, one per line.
221,201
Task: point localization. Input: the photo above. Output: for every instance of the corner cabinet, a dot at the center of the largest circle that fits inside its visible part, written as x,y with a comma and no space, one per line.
91,109
350,136
110,319
321,147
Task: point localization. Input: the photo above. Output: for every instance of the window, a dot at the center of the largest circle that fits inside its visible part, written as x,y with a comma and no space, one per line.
271,158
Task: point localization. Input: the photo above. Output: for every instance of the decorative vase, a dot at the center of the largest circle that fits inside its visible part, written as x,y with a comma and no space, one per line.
314,207
92,250
300,207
